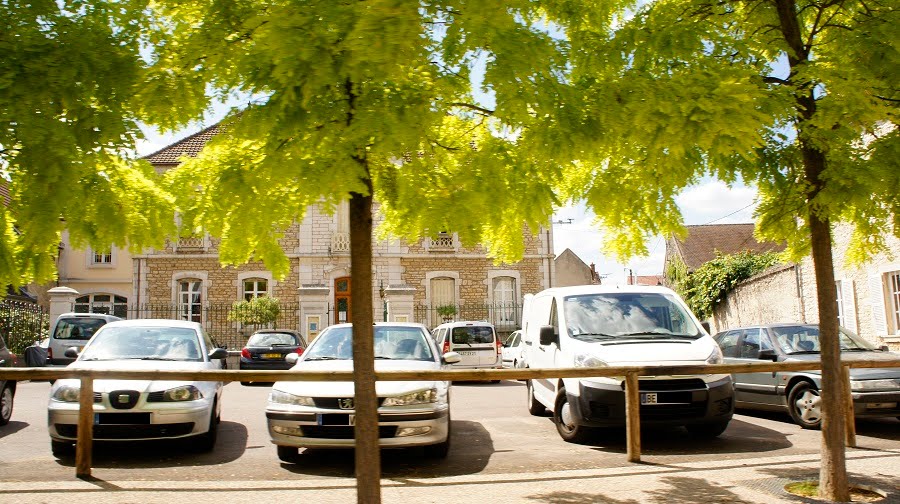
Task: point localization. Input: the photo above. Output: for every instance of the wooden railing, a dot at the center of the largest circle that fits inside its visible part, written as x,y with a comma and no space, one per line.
629,373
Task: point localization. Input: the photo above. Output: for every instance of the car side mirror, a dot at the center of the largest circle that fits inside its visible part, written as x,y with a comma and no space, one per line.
451,358
292,358
218,353
71,352
768,354
549,335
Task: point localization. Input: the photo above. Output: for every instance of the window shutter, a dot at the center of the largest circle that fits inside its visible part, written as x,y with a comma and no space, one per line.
848,299
876,300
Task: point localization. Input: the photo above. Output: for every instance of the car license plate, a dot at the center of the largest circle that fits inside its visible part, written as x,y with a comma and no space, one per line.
468,354
649,398
271,356
886,405
352,419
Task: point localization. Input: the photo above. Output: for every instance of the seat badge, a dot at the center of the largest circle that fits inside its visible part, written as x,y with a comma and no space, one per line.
345,403
123,398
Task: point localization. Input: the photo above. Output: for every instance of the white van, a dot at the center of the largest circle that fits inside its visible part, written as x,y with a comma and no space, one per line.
599,326
73,330
475,341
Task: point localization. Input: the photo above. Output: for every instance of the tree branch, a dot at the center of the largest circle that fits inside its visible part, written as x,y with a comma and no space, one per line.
472,106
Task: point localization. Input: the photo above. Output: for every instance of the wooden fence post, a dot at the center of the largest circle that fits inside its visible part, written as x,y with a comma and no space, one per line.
633,418
849,415
85,440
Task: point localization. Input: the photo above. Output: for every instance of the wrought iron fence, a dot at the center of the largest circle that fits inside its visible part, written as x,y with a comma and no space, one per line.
506,317
214,318
22,324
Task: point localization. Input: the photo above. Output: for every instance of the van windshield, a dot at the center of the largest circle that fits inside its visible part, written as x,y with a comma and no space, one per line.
80,328
633,315
472,335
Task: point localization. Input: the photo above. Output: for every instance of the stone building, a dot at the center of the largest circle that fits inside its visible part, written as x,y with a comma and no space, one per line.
185,279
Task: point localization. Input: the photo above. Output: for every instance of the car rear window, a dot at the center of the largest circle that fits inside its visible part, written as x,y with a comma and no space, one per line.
81,328
472,335
271,339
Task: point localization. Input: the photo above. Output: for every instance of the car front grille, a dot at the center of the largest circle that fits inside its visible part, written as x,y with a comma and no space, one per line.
130,431
329,432
667,385
333,402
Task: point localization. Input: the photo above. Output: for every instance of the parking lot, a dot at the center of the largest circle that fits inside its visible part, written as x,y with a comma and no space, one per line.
493,435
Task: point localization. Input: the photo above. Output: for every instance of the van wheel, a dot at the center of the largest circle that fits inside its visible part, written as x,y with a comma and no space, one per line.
804,404
6,403
568,429
534,406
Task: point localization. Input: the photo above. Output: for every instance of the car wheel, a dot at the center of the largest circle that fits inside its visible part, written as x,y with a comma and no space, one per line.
534,406
706,430
568,429
287,453
440,450
6,404
207,441
61,448
804,404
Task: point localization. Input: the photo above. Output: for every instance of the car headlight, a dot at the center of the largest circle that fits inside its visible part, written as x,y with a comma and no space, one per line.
66,393
177,394
279,397
860,385
420,397
589,360
715,357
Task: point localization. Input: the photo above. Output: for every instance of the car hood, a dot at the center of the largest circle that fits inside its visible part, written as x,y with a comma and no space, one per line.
133,365
856,373
641,352
345,388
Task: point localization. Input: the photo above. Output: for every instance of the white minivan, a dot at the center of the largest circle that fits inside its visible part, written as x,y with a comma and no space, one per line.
600,326
476,342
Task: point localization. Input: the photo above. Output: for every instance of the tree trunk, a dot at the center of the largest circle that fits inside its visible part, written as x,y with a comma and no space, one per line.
368,458
833,484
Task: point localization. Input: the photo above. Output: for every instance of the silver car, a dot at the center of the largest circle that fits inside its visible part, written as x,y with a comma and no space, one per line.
875,392
322,414
142,409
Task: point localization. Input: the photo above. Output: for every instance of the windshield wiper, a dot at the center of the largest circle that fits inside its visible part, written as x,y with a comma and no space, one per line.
383,357
159,358
855,350
596,336
801,352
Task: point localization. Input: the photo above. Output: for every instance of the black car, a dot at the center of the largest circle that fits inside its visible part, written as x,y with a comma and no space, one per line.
267,348
875,392
7,387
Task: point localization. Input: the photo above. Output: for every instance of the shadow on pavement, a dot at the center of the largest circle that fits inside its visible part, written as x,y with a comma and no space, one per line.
578,498
683,491
741,437
470,450
12,427
885,483
230,445
882,428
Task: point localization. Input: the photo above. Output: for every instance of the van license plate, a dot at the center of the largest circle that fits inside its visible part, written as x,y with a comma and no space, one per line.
468,354
649,398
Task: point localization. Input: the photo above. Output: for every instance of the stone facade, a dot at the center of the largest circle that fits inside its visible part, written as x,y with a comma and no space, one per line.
788,294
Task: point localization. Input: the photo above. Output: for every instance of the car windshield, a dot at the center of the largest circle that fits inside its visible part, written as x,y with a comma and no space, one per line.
805,339
81,328
468,335
391,343
146,343
628,314
272,339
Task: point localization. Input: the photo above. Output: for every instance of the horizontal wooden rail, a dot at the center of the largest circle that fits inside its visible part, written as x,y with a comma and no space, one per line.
47,373
629,374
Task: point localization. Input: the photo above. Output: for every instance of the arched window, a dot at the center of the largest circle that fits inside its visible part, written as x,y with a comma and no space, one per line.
102,303
190,300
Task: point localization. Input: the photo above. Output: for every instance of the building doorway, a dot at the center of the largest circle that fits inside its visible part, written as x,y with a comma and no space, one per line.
342,303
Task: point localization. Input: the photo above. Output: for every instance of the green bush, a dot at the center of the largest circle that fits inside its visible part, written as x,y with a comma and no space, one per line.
258,311
708,285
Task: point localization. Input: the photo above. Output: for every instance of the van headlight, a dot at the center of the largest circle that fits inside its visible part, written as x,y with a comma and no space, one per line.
421,397
589,360
66,393
177,394
279,397
715,357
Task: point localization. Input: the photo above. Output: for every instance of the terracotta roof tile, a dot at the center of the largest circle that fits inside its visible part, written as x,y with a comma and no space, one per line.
703,241
189,146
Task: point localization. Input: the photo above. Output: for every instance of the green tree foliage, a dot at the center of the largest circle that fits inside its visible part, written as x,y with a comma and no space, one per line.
71,76
259,311
706,286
